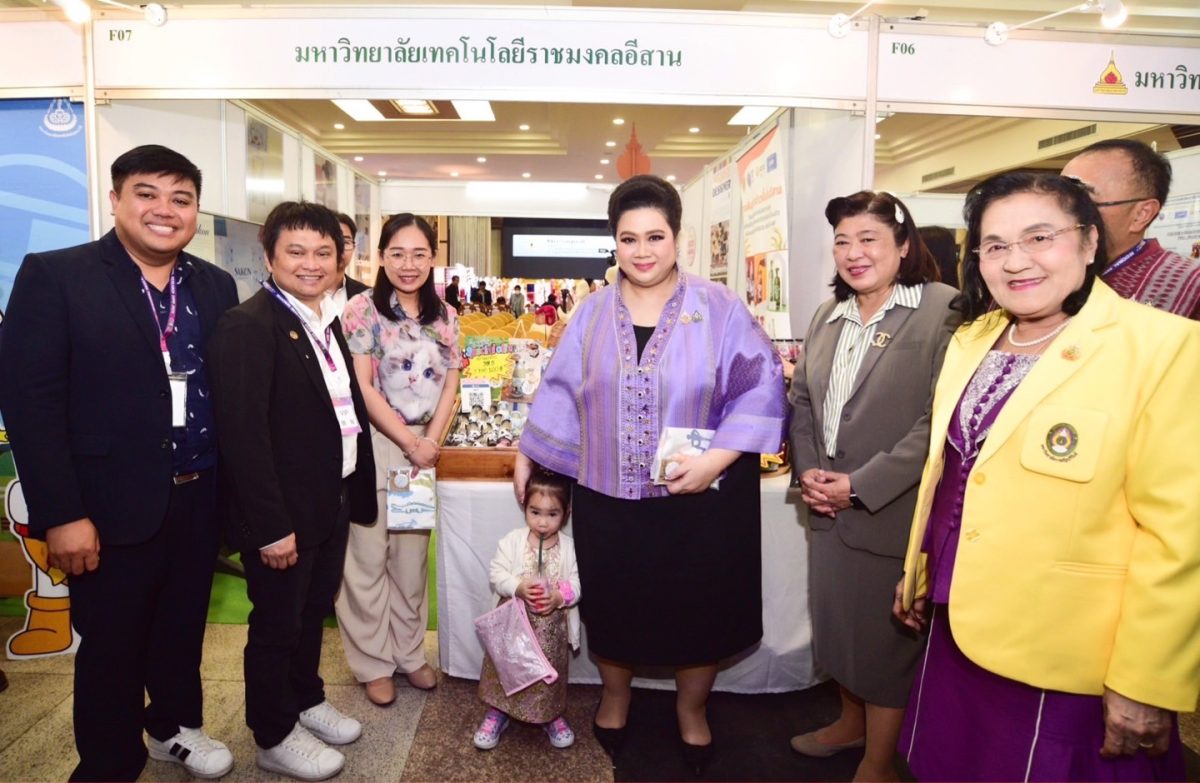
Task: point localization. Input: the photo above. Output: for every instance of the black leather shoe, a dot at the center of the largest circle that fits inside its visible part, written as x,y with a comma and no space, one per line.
695,757
612,740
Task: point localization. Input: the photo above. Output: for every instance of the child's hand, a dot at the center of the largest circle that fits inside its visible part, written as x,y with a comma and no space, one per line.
554,601
532,592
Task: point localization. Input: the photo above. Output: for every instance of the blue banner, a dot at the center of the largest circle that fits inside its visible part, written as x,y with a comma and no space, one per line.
43,182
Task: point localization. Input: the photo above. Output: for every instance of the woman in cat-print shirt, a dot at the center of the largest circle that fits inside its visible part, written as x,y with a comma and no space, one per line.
405,345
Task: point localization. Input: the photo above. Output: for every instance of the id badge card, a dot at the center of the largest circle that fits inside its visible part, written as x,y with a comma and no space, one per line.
177,381
346,415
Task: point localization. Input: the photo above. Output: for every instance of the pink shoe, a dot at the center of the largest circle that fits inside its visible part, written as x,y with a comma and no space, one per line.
494,724
559,732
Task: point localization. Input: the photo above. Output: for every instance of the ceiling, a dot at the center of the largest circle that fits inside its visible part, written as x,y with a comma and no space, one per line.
564,142
567,142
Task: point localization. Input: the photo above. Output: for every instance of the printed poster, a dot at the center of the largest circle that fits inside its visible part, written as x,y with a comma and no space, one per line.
43,206
764,233
1178,225
720,216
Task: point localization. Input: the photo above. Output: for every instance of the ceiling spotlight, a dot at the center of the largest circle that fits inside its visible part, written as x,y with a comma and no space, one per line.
339,126
358,158
382,173
1112,14
878,136
526,174
154,13
454,173
839,24
481,159
604,161
618,120
599,176
77,11
670,178
610,144
524,127
693,130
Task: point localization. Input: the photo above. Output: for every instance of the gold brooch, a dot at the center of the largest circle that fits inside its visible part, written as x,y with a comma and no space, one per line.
1071,353
685,319
881,339
294,335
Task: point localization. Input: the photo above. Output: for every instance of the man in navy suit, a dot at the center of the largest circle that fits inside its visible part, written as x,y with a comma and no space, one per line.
106,396
296,459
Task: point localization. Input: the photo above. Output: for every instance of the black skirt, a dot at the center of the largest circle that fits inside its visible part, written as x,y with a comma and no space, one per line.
672,581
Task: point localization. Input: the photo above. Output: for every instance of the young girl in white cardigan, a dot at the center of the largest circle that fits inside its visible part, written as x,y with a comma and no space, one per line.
536,564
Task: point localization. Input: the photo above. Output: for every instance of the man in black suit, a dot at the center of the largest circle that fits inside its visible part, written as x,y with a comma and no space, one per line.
452,296
482,295
296,460
345,286
105,393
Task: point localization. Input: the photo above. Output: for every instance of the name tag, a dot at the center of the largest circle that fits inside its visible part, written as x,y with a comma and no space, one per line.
177,382
346,415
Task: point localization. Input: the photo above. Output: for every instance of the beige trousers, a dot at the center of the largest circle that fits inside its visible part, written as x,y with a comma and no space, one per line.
382,607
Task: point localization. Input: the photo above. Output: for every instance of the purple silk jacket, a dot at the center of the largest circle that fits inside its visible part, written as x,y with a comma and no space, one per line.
598,412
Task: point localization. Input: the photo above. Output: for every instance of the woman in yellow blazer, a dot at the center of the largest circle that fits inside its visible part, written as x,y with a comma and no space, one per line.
1055,549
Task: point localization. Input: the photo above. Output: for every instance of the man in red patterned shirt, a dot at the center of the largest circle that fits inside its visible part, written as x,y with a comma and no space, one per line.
1129,182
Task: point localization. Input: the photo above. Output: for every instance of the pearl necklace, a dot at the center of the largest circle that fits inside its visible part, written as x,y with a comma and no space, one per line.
1012,331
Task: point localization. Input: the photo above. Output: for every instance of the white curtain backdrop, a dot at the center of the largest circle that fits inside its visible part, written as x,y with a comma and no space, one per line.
470,243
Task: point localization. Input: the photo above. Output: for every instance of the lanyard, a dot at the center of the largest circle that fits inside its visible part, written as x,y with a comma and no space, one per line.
323,345
163,333
1124,259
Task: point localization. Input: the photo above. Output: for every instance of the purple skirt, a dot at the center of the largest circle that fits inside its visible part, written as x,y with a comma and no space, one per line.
966,723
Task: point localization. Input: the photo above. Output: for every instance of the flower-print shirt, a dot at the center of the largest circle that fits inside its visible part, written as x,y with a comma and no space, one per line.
409,361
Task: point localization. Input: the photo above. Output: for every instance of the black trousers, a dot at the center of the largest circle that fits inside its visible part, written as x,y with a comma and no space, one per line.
283,646
141,619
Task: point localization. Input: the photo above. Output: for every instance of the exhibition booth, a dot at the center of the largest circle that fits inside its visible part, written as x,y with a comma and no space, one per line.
753,218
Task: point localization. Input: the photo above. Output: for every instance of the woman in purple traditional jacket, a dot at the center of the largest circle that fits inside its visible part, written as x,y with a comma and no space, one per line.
671,572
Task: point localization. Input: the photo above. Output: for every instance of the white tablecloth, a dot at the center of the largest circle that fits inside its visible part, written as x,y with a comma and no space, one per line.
473,515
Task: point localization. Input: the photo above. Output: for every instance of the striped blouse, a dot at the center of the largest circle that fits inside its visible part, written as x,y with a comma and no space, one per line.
855,339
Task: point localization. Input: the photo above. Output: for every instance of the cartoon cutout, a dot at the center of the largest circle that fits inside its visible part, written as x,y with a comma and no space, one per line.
47,628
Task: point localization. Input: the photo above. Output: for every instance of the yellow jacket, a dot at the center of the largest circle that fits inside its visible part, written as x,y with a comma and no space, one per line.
1078,562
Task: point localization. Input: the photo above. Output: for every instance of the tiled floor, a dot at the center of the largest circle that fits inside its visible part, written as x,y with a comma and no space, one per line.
421,737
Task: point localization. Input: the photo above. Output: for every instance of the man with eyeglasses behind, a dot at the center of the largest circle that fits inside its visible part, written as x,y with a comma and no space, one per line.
345,286
1129,182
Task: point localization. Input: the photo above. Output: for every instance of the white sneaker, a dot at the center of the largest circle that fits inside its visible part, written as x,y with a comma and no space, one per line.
301,755
330,725
199,753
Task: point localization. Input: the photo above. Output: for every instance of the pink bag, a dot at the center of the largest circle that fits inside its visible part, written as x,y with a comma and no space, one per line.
513,647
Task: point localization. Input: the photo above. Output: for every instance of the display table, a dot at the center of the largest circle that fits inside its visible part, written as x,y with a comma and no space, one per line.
474,515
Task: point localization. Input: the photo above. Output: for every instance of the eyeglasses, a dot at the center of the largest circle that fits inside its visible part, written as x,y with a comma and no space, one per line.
1030,243
417,257
1122,201
1092,192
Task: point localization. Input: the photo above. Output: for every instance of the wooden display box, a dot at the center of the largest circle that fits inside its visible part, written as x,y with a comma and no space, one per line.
476,464
471,463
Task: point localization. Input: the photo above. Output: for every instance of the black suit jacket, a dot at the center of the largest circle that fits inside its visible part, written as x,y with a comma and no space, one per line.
452,295
84,391
353,287
481,297
281,446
